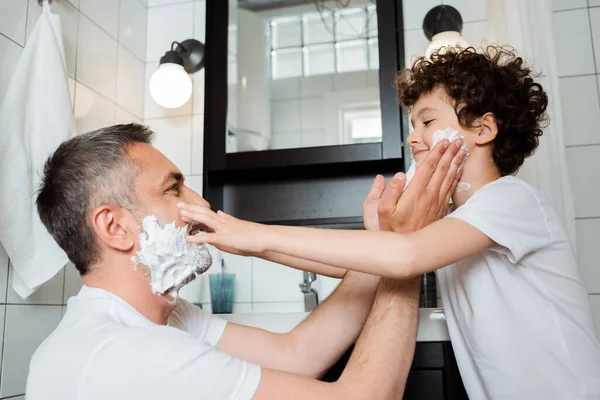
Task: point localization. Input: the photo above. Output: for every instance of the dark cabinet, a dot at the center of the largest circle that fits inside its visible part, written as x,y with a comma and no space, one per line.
433,375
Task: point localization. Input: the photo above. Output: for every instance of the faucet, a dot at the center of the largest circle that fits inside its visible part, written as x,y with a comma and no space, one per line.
311,298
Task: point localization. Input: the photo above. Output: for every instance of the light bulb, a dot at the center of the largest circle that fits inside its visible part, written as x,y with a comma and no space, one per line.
170,86
446,39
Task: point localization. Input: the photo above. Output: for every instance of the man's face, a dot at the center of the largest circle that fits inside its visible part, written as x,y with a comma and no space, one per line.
160,186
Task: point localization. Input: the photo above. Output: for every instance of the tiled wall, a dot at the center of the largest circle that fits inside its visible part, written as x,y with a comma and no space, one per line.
105,45
577,38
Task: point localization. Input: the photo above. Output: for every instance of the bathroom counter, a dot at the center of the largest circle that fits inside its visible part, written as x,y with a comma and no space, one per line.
432,323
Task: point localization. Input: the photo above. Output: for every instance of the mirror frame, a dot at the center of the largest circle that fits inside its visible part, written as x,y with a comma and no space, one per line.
394,121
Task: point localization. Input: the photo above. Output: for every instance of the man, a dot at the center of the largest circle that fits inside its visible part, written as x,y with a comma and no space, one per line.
119,340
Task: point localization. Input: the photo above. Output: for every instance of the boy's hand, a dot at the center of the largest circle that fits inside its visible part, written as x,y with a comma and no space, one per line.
225,232
427,196
370,217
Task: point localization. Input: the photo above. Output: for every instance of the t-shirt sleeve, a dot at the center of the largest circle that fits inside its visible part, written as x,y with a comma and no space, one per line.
510,213
166,363
197,322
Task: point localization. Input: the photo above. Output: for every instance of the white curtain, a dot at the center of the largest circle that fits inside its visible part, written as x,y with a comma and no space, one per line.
527,27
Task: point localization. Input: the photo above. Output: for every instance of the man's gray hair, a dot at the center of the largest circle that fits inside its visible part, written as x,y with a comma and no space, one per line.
83,173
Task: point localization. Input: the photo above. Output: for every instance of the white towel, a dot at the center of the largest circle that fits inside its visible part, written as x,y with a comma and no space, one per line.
35,117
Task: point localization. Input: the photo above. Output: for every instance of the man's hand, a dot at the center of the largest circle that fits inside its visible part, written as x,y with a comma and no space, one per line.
428,194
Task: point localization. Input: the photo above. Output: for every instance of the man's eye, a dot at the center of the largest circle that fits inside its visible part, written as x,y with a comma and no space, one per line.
426,123
174,188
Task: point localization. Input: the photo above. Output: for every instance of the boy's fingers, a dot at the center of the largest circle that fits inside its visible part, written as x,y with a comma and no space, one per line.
392,194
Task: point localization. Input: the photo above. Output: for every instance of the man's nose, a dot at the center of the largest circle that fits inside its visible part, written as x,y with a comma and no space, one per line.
193,197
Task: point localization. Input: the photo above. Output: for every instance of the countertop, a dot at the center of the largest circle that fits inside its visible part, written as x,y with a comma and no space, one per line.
432,322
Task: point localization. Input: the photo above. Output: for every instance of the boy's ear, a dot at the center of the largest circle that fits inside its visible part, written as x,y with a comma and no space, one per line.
489,129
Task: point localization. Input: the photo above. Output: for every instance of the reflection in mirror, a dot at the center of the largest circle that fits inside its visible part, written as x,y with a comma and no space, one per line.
302,75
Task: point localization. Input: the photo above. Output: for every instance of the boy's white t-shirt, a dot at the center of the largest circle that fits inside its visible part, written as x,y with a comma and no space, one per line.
518,314
105,349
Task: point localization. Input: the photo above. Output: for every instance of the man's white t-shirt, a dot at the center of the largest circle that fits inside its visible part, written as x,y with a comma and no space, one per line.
105,349
518,314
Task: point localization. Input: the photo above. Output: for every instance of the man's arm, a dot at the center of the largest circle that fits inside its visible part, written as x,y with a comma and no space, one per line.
381,359
316,343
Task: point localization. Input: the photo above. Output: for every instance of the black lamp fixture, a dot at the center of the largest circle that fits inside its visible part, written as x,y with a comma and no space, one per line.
443,27
170,85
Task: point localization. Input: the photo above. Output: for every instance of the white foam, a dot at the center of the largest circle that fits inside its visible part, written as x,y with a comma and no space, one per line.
170,259
450,134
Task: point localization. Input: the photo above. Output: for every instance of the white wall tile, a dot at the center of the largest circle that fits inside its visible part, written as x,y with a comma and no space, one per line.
124,117
104,13
285,116
474,33
242,268
312,114
154,3
97,59
3,274
26,328
284,89
415,44
130,83
283,307
75,3
50,292
168,24
13,19
200,21
73,282
558,5
174,140
591,3
71,83
194,182
69,21
573,42
273,282
192,292
198,93
581,110
595,302
316,85
470,10
595,22
2,315
290,140
197,144
414,11
11,52
153,110
582,163
133,27
588,253
92,111
350,80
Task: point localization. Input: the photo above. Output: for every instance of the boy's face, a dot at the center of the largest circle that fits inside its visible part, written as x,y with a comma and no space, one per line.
431,113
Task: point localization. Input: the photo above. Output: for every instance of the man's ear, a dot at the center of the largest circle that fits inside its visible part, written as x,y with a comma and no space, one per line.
115,227
489,129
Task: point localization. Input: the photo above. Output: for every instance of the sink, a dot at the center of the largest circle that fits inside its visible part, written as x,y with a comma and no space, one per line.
432,322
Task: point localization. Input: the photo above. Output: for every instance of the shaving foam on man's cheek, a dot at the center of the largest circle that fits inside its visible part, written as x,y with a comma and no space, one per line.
170,259
451,135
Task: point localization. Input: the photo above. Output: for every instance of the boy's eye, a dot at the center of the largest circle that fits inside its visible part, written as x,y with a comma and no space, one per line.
426,123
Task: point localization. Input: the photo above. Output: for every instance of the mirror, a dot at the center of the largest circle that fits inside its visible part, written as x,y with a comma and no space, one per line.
302,73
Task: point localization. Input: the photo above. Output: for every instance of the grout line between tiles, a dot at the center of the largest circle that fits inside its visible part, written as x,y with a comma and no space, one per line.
21,46
582,145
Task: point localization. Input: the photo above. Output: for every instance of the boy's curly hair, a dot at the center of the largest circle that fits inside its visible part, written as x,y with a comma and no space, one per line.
495,81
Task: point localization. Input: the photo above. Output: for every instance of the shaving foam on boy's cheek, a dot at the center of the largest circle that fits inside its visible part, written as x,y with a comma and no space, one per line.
451,135
170,259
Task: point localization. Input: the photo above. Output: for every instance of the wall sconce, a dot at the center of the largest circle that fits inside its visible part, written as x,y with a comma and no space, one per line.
443,26
171,85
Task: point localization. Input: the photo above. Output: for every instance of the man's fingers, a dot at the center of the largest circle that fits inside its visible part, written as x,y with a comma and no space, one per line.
392,194
376,189
427,168
452,176
444,168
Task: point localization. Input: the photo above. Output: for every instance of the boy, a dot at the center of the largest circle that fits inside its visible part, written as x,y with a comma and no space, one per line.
518,314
